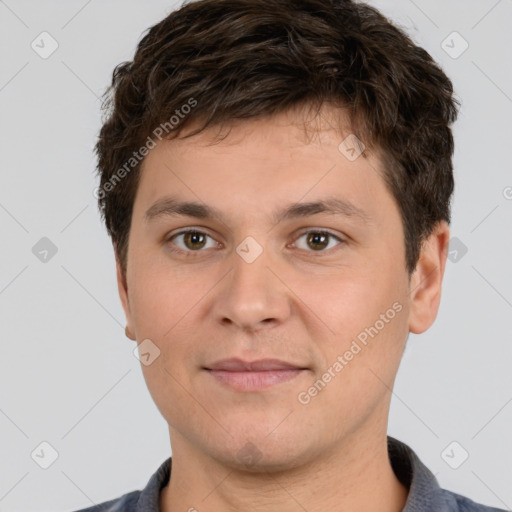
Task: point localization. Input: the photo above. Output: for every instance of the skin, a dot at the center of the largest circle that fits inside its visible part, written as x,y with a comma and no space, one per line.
298,301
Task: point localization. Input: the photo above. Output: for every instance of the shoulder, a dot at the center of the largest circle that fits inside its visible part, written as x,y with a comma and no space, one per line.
145,500
125,503
464,504
425,493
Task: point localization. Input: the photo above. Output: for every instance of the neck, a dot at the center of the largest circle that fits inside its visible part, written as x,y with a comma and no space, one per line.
356,476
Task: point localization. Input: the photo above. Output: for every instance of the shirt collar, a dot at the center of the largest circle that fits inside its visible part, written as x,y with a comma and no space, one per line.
425,492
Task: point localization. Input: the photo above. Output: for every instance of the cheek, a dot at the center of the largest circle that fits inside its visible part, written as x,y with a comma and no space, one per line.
359,364
362,317
165,303
346,302
161,295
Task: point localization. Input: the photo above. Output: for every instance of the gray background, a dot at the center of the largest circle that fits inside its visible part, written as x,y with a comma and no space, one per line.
68,375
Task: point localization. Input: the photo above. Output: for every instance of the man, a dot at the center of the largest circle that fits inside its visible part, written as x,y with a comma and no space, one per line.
276,179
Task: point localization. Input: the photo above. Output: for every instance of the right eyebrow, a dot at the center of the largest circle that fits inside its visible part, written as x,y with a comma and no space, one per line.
169,206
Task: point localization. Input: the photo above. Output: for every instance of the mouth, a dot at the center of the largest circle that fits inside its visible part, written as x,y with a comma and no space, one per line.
243,375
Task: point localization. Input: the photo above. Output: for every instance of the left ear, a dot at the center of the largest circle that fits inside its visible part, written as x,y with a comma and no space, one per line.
427,278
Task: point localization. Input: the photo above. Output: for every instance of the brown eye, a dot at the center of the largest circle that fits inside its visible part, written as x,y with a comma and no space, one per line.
191,241
194,240
318,241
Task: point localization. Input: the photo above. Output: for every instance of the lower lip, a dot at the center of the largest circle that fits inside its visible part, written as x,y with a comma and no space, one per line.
254,381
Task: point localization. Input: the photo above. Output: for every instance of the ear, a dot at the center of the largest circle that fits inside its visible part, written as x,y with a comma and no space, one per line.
427,278
122,287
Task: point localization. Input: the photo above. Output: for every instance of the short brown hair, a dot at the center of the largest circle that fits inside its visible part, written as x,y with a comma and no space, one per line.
242,59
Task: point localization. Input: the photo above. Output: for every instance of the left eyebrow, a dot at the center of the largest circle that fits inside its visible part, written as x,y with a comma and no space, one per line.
171,207
330,205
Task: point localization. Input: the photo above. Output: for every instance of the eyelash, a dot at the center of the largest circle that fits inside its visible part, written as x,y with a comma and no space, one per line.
190,253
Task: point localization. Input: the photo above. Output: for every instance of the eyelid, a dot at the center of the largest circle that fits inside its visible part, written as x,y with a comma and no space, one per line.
320,230
184,231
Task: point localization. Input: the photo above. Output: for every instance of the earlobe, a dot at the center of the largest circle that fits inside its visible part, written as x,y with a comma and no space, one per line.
122,287
426,281
129,334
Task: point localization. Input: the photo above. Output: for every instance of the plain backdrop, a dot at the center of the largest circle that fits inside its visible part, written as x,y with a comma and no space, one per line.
68,376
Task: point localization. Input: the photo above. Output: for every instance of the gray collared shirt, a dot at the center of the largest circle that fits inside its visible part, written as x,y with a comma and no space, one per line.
425,494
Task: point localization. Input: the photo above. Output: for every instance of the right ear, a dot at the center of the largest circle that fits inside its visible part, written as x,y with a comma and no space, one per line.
122,287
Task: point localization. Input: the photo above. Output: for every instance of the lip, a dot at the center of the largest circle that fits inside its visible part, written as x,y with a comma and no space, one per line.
235,364
258,375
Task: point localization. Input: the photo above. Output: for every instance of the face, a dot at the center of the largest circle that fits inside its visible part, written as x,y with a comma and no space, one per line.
295,253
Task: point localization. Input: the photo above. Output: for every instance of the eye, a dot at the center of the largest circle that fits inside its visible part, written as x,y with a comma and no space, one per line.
193,241
318,240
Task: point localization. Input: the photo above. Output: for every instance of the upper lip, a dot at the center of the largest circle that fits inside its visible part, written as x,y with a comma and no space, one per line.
239,365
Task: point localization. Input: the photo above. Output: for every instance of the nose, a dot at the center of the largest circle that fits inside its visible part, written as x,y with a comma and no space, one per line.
253,295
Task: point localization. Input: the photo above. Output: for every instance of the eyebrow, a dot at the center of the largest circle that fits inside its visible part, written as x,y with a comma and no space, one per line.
171,207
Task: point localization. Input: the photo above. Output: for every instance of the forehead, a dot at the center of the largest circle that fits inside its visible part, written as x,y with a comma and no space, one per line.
258,164
297,126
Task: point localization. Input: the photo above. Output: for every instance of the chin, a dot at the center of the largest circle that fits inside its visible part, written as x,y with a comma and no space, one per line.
270,455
